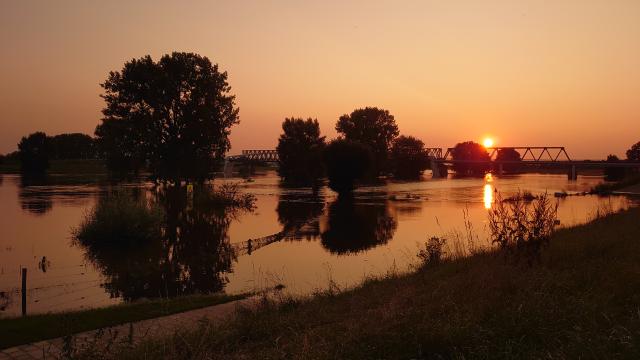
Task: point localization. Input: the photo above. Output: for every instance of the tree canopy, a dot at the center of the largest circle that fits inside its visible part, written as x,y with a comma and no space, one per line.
34,154
173,115
470,151
508,155
373,127
300,151
346,161
633,153
408,157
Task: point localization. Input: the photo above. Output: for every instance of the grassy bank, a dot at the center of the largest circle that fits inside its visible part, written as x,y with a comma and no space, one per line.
22,330
581,301
630,183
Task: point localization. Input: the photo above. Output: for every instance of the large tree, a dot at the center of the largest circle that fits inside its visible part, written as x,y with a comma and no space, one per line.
473,159
633,153
176,115
34,153
346,162
408,157
508,154
300,151
373,127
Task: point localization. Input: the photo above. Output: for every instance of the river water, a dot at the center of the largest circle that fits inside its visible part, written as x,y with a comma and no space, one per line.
302,239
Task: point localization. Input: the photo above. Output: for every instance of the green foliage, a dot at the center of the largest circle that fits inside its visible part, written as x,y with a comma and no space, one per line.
300,149
471,152
372,127
346,162
34,154
408,157
173,115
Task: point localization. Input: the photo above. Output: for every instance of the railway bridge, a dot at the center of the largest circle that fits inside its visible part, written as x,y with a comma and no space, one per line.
442,159
530,157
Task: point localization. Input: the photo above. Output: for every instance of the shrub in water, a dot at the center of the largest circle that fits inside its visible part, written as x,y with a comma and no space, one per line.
522,227
122,220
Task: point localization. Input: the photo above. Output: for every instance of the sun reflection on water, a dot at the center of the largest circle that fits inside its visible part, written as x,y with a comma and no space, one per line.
488,191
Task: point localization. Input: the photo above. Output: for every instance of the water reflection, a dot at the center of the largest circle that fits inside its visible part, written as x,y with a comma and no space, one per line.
191,254
488,196
353,227
299,214
488,191
37,194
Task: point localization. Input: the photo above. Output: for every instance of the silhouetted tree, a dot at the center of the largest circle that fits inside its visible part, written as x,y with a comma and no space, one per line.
176,114
120,145
353,227
300,151
408,157
72,146
346,161
470,151
614,173
508,155
34,155
633,153
373,127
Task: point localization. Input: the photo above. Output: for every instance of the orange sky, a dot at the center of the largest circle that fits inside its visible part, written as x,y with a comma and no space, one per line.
527,72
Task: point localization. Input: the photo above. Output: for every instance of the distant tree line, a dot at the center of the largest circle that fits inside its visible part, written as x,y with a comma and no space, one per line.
172,117
36,149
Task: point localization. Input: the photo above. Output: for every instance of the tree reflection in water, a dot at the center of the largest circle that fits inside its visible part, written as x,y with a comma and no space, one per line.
353,227
190,252
299,214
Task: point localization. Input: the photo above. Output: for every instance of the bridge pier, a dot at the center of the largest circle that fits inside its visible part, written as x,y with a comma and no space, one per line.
573,173
500,169
438,170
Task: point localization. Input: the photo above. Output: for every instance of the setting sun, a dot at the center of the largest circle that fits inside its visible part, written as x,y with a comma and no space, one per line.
487,142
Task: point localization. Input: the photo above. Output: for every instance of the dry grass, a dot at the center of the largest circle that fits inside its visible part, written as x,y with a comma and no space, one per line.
581,301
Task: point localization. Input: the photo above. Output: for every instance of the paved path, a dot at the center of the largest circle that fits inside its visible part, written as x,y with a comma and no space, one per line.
130,333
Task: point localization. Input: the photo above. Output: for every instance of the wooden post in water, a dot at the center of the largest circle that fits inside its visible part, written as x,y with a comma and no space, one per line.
24,291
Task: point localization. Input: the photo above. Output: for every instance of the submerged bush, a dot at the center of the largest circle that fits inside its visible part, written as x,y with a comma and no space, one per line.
522,227
121,219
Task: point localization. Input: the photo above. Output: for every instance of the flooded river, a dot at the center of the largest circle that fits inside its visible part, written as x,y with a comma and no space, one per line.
300,238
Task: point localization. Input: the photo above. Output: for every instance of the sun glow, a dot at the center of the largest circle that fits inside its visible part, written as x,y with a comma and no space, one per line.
487,142
488,196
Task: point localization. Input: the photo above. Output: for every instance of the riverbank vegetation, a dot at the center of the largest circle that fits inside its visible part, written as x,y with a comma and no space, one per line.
580,300
22,330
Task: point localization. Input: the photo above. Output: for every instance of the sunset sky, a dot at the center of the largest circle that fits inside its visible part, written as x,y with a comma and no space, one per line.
524,72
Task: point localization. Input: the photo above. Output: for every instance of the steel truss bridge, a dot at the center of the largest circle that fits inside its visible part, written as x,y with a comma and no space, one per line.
255,155
441,159
534,156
